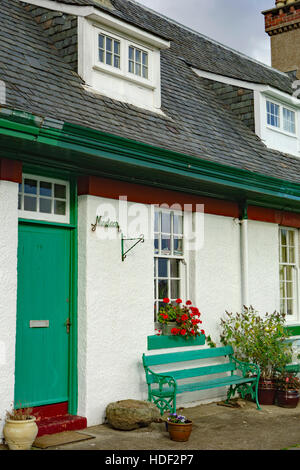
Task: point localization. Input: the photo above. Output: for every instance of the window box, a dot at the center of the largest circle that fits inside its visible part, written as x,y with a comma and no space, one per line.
165,342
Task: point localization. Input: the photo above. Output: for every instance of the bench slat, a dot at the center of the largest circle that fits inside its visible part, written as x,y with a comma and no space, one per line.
197,372
191,387
170,358
200,371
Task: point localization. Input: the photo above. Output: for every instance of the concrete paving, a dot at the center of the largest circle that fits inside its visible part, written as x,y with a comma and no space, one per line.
215,427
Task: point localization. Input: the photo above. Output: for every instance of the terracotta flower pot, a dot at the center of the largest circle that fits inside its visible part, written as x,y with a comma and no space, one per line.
266,391
180,432
287,398
20,434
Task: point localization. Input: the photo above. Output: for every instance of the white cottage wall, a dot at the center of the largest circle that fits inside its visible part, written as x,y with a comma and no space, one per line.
115,312
116,298
263,249
8,293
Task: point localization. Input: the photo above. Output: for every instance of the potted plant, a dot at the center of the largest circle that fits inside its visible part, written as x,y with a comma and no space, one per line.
20,429
260,340
180,320
287,393
179,427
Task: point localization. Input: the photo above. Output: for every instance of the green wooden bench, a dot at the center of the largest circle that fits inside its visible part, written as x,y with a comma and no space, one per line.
163,387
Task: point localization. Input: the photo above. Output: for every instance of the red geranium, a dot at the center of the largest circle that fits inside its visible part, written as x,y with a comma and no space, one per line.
179,301
166,300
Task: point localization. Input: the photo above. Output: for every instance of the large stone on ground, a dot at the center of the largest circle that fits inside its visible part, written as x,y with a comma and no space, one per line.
131,414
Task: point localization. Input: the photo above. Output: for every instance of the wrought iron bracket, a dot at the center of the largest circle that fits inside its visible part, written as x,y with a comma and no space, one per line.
141,239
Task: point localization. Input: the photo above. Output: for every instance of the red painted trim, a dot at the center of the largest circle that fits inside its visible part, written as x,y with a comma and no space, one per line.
263,214
11,170
113,189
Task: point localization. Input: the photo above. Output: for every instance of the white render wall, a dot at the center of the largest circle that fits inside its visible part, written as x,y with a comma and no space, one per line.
116,299
115,313
8,293
263,249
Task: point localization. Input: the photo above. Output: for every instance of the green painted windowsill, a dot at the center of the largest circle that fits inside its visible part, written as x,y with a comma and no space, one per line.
164,342
293,330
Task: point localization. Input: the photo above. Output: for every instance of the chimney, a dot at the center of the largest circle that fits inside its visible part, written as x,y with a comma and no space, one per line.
282,24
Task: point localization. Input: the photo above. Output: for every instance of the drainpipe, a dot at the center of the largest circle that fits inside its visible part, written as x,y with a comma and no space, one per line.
244,256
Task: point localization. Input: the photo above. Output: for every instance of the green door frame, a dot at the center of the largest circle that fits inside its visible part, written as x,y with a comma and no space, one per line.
73,339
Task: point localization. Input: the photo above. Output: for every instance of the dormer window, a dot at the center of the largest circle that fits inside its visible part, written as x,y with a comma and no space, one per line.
280,117
120,61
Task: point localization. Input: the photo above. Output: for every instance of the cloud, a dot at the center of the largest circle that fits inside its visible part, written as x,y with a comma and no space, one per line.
238,24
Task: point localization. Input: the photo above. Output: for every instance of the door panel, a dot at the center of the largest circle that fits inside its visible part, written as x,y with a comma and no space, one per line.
42,353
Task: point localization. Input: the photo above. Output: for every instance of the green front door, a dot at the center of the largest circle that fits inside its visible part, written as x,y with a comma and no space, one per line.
42,342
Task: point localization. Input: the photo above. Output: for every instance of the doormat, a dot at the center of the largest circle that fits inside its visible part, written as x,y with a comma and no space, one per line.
59,439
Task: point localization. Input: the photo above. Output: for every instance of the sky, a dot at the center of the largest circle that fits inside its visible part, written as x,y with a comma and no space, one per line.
238,24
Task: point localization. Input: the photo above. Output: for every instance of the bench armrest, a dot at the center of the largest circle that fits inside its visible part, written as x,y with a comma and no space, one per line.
161,380
247,367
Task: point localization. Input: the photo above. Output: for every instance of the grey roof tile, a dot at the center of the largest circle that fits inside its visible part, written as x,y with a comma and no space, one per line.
196,123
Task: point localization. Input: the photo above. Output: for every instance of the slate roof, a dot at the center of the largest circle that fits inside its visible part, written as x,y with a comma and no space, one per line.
39,81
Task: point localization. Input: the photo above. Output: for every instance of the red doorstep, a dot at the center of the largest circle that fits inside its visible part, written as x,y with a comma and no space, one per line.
52,419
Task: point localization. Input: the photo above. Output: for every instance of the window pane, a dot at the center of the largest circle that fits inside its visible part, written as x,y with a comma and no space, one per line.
289,121
174,268
156,243
131,67
138,70
131,53
19,201
101,55
162,267
291,238
109,58
109,44
156,221
292,255
283,236
162,289
116,62
145,58
145,72
60,191
175,291
178,246
178,224
166,222
29,203
289,307
45,205
284,255
45,189
117,47
59,207
138,56
30,186
166,244
101,41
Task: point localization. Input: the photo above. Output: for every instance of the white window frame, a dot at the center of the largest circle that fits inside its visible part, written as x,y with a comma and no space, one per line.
36,215
170,256
280,128
295,281
123,71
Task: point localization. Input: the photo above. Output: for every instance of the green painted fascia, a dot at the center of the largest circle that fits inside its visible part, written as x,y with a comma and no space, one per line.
75,138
